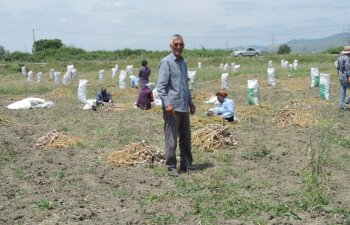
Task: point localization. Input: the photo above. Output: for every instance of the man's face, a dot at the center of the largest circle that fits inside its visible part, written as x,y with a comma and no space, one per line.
220,98
177,46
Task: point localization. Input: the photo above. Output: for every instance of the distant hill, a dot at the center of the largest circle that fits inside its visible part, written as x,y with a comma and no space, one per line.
315,45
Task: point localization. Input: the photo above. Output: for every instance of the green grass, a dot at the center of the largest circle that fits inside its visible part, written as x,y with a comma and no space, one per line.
274,175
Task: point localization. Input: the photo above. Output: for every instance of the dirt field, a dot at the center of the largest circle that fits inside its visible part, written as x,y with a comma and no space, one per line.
290,164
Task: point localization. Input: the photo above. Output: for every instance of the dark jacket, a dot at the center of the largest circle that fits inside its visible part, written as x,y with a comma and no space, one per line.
100,98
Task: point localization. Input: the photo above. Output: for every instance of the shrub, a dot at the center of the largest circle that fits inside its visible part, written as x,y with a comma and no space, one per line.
335,50
284,49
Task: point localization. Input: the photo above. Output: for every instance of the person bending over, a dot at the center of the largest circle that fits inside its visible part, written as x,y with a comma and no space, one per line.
226,108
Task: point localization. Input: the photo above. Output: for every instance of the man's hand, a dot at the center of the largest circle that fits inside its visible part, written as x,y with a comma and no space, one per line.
169,109
192,109
209,113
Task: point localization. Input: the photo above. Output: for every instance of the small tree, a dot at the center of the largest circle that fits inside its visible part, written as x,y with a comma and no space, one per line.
284,49
3,53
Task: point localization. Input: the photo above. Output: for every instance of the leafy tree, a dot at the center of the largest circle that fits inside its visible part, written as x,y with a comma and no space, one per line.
3,52
46,44
284,49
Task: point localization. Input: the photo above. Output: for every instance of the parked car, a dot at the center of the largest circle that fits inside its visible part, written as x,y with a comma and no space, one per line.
247,52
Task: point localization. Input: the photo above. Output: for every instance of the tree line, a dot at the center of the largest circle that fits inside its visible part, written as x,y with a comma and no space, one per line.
46,50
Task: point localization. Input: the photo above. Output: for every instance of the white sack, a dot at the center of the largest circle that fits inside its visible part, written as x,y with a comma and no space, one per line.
74,72
157,100
295,64
192,79
23,69
51,74
233,66
253,92
270,63
221,67
89,104
236,68
57,76
225,81
101,75
325,82
271,76
226,67
30,76
122,79
82,91
30,103
114,72
315,77
39,77
129,69
67,78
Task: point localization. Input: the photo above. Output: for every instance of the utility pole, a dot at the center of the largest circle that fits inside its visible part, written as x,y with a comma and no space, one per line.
346,36
33,49
273,40
272,47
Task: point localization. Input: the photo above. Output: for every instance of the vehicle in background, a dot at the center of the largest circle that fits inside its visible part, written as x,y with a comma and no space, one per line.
247,52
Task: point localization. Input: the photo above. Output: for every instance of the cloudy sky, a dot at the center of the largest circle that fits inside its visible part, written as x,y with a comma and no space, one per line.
148,24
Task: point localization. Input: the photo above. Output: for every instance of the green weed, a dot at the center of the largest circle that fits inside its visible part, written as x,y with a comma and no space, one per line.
44,204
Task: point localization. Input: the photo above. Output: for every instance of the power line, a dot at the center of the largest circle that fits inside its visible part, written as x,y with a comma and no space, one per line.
13,31
162,37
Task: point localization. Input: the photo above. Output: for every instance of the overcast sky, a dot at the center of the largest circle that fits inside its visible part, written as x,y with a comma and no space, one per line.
148,24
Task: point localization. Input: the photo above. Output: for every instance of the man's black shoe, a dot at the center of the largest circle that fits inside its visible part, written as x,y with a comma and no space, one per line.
183,170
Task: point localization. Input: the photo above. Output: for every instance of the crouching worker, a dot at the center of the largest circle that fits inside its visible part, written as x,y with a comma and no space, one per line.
226,108
103,97
145,97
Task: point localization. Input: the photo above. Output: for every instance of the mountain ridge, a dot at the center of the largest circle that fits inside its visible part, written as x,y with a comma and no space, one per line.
317,44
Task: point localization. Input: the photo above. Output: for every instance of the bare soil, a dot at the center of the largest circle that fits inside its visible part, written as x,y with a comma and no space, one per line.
76,185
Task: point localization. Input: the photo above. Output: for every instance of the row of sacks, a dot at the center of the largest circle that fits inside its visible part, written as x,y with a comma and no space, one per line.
234,67
285,64
53,75
72,72
321,80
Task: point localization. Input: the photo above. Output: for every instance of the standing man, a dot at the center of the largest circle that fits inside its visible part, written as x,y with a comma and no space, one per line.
173,90
344,77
